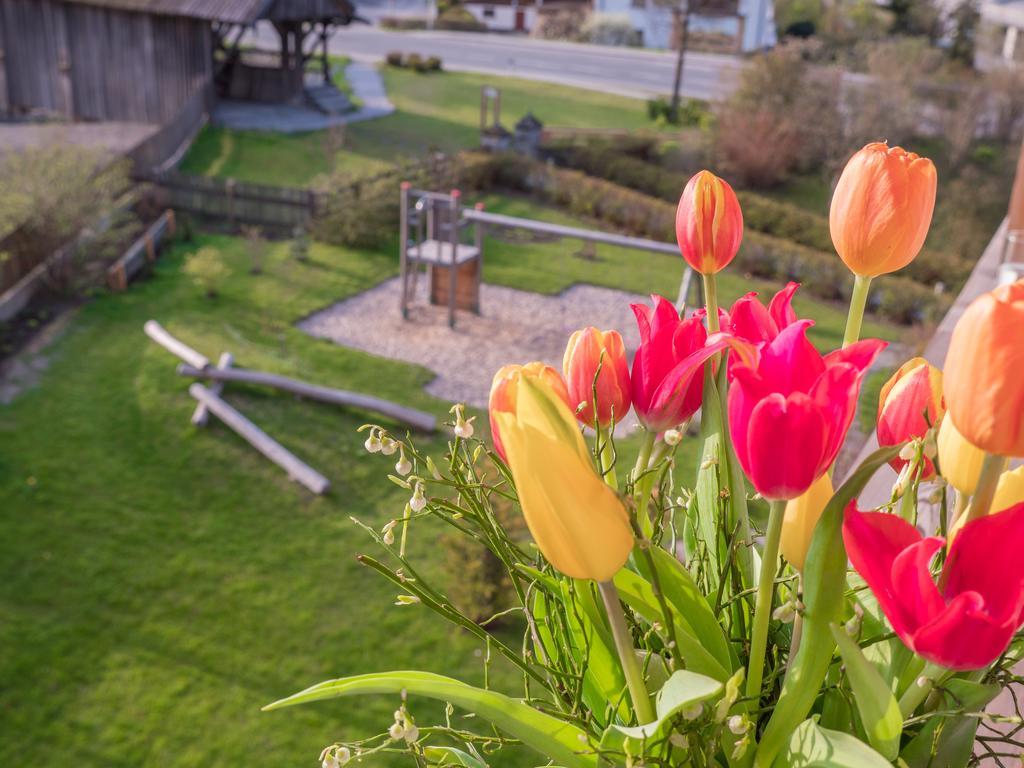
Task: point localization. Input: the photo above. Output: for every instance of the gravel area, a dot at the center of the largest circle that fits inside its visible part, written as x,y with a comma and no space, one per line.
515,327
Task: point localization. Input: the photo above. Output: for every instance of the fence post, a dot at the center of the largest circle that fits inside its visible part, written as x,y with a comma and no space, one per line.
229,190
453,265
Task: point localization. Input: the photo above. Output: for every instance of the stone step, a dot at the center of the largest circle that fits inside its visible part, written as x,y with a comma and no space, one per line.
328,99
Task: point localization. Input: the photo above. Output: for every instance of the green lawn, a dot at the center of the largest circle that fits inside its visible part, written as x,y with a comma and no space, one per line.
438,111
160,583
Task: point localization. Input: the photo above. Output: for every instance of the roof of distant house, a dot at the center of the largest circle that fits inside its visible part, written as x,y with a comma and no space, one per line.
235,11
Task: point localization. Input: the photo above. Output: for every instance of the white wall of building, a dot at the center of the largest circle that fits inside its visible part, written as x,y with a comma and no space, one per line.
502,17
654,22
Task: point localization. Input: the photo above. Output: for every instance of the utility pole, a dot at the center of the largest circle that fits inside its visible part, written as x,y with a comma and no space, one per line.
680,11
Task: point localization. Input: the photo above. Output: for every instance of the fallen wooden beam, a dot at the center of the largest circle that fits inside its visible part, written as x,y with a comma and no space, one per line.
201,414
260,440
416,419
159,334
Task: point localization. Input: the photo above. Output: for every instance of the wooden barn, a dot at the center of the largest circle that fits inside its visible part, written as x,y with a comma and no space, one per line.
153,61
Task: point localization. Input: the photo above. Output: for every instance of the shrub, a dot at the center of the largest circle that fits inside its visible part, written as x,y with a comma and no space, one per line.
609,29
207,270
395,59
299,249
559,23
692,112
741,139
414,61
433,63
458,19
403,22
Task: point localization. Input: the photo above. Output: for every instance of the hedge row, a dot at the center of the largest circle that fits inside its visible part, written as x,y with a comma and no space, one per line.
760,213
822,274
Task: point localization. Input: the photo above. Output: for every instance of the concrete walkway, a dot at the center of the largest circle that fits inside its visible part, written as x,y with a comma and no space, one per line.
367,87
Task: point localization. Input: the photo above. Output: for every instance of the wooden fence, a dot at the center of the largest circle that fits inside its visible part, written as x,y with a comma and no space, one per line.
140,252
238,202
165,147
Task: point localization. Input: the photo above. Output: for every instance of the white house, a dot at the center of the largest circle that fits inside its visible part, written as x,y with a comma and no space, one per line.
750,23
1000,39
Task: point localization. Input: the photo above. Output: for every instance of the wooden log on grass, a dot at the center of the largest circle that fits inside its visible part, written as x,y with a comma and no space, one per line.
260,440
201,415
159,334
416,419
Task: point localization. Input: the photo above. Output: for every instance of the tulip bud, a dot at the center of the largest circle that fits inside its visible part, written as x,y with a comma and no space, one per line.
881,209
802,514
578,522
909,404
588,351
709,223
984,385
959,461
503,393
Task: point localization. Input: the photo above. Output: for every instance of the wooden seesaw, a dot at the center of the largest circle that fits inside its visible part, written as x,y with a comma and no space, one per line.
196,365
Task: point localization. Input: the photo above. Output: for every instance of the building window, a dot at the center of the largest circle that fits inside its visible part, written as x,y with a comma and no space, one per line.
488,13
639,3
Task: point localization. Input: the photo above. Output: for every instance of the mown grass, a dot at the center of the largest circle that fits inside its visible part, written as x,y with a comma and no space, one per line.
160,583
438,111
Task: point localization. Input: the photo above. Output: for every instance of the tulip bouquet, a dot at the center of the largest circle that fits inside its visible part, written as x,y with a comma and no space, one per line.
715,619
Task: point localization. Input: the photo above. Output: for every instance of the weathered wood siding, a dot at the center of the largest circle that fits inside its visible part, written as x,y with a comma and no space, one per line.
92,63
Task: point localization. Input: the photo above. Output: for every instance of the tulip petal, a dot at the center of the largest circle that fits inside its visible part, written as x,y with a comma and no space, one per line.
780,308
912,579
986,557
836,394
873,542
786,465
790,362
964,636
861,354
749,318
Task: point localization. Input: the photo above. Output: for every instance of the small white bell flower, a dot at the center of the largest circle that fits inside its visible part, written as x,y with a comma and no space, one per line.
342,755
388,533
679,740
396,731
418,500
464,428
373,443
692,713
909,451
330,762
388,446
407,600
738,724
673,437
411,733
403,466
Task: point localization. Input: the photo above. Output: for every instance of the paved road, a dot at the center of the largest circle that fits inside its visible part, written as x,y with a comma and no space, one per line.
625,71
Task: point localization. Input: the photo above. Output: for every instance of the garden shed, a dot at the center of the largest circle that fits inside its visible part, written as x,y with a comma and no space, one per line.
152,60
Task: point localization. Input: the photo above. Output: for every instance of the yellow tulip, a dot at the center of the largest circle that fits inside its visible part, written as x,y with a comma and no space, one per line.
578,522
802,514
1009,492
959,461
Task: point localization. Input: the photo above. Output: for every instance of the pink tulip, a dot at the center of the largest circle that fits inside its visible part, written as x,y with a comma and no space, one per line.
751,320
789,412
666,388
968,622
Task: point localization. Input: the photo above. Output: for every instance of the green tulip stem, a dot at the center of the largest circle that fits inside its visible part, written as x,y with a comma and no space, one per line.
765,594
858,301
627,654
711,302
606,457
921,686
642,485
981,502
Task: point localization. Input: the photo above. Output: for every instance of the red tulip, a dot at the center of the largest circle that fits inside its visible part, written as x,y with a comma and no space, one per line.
751,320
789,412
967,623
709,223
909,403
666,389
586,351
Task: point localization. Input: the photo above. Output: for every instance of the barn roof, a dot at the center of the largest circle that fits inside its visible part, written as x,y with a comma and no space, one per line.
233,11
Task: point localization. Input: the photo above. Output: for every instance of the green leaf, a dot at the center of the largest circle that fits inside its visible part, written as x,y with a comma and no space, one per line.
639,595
452,756
682,593
684,690
954,744
812,746
878,708
824,588
559,741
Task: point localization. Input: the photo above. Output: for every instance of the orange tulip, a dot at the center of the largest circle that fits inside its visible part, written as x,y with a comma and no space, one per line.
504,388
882,208
709,223
587,349
910,402
984,372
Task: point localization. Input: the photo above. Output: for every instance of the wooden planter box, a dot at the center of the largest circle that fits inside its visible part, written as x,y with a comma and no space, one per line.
467,285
